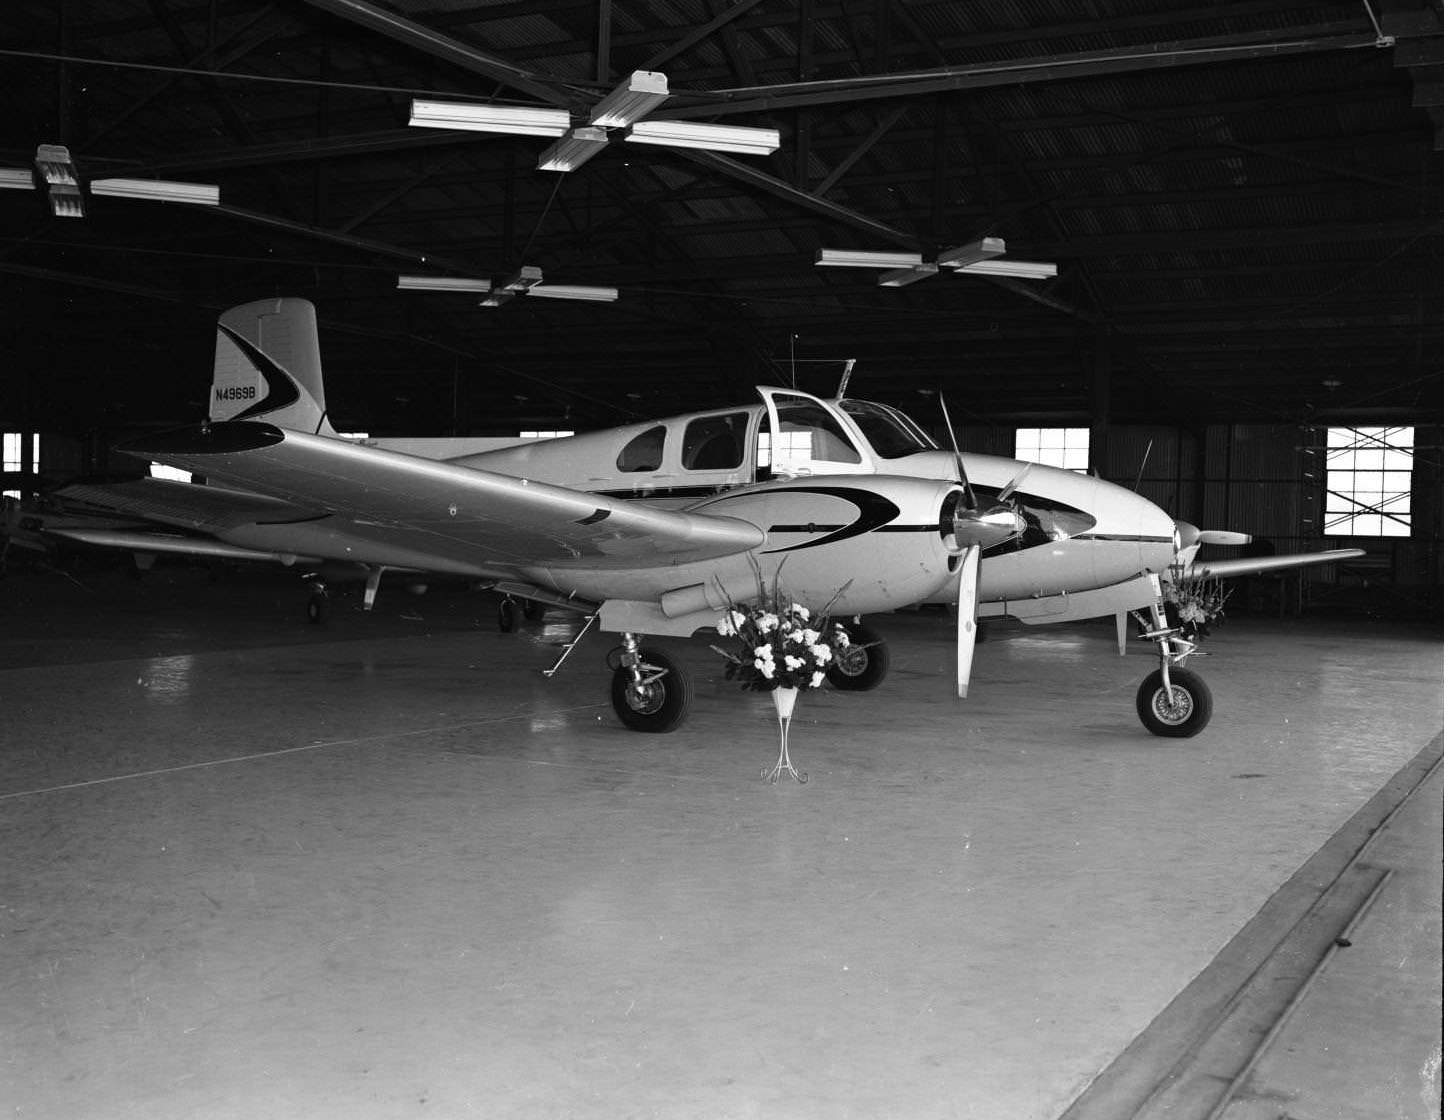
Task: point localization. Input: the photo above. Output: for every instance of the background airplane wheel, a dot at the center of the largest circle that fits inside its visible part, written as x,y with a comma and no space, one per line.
857,669
508,616
1190,711
655,706
531,610
316,609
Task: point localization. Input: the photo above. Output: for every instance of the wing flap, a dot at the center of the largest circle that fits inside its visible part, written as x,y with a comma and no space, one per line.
449,512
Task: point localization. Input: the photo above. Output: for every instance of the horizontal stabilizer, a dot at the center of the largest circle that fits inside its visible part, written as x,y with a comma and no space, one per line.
1253,565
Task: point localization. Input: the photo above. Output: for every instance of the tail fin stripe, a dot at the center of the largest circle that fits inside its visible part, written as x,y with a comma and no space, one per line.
281,389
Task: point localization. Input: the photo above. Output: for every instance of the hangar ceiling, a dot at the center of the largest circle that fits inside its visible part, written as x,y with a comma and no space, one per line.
1245,201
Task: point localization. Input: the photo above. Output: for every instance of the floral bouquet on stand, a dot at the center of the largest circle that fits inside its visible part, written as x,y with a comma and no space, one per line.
1193,605
782,648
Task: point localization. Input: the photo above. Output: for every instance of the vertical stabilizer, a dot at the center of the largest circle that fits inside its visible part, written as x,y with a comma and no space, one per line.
268,366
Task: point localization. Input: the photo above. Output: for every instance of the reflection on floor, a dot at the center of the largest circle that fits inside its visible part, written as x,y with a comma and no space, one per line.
384,868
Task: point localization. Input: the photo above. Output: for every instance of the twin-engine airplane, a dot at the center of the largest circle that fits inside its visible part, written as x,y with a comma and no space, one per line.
653,528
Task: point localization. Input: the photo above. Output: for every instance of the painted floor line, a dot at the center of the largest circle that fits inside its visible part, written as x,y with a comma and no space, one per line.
161,771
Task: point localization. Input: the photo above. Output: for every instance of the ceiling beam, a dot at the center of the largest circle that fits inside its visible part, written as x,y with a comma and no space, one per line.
429,42
1082,64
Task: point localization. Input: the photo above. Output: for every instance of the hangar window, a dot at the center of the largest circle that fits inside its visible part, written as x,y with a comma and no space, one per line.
1370,476
14,457
174,474
1054,447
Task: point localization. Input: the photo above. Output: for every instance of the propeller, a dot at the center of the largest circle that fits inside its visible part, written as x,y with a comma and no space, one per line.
1190,537
973,529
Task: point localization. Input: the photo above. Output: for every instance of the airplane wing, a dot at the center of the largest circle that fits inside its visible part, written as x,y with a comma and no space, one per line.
457,518
1254,565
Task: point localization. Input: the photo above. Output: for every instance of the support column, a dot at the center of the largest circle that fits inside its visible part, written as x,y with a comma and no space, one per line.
1100,406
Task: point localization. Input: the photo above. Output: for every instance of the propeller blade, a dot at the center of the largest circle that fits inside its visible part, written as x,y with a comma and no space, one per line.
1189,534
958,456
1015,483
967,615
1222,536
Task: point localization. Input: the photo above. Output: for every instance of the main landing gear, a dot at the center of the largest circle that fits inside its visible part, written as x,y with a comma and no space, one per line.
650,691
863,665
1171,701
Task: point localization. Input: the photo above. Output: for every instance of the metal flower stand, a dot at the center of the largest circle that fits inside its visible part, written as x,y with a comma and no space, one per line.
783,700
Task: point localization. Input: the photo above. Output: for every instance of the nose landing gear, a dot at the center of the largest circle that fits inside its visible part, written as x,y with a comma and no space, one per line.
1172,701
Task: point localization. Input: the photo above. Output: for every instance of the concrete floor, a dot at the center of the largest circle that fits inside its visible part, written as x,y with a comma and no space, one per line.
383,868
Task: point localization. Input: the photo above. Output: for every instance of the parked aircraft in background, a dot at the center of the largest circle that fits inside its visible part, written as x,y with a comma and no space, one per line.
651,529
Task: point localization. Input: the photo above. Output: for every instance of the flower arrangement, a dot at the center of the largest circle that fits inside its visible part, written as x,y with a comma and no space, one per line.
1193,605
781,644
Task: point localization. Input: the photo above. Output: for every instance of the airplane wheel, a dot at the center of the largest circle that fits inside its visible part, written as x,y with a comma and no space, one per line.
857,669
508,616
531,610
657,705
1190,711
316,609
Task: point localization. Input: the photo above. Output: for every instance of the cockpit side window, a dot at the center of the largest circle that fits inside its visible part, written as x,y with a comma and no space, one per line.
714,443
643,452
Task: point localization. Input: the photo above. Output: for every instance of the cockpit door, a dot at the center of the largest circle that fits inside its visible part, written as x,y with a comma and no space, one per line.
805,435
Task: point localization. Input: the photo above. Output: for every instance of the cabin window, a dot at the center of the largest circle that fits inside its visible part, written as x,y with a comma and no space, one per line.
643,452
1370,476
714,443
1053,447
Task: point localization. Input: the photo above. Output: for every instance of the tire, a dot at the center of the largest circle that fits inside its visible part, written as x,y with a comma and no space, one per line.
531,610
656,706
508,616
316,609
1190,713
858,669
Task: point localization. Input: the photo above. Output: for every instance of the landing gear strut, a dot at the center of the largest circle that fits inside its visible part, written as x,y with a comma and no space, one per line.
650,691
1172,701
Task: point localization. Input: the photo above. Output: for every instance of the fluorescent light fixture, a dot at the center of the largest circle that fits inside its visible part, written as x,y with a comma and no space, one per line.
1023,270
528,276
902,277
65,201
573,150
973,252
863,258
631,101
442,284
714,137
55,164
490,118
158,190
16,179
573,291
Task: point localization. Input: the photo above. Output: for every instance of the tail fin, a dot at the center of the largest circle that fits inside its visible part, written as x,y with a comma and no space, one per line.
268,365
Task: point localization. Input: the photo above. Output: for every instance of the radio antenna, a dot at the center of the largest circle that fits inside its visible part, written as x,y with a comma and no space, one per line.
846,374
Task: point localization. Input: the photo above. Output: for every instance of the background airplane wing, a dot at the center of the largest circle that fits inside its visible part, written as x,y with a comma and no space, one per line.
452,514
182,505
1253,565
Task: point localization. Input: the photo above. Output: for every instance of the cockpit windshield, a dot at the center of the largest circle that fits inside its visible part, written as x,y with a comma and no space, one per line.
891,433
